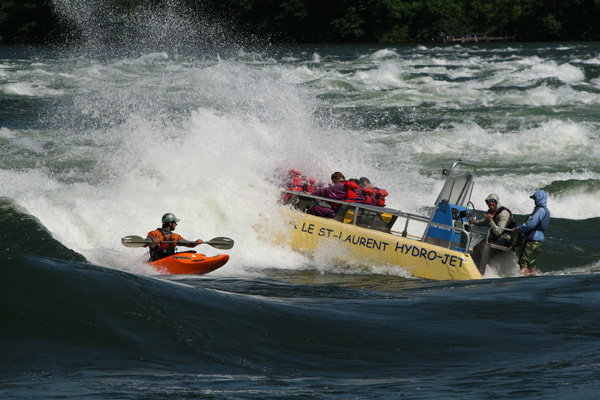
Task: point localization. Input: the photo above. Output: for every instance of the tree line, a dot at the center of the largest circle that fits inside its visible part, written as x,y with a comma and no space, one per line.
343,21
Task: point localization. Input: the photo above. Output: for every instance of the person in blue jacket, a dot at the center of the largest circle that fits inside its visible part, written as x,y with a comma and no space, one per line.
533,230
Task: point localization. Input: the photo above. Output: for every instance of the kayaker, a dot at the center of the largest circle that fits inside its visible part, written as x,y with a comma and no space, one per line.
157,248
497,218
341,189
533,229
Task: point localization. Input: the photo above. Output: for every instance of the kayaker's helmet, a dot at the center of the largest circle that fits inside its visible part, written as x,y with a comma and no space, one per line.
168,217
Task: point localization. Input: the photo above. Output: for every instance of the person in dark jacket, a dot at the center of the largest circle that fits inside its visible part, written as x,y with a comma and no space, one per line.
498,218
533,230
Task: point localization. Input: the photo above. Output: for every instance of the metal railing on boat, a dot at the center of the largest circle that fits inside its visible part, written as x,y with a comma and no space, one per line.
488,233
351,213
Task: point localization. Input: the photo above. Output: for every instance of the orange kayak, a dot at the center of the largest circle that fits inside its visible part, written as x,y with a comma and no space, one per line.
189,263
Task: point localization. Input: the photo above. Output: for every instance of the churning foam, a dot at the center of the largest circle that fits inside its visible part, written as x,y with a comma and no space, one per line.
137,154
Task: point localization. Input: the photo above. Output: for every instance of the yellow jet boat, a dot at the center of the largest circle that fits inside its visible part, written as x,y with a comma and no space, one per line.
437,246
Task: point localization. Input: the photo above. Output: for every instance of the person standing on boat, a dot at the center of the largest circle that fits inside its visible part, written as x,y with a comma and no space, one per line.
159,249
533,229
341,189
498,218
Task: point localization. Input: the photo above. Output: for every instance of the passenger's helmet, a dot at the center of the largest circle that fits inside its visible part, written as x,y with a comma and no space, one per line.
168,217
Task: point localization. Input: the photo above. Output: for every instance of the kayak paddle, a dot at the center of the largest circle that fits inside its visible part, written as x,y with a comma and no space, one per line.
223,243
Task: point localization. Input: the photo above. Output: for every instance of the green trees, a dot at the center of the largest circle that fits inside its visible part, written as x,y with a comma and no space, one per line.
25,20
416,20
31,21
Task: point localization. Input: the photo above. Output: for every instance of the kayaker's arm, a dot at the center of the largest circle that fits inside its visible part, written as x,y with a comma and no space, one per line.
152,241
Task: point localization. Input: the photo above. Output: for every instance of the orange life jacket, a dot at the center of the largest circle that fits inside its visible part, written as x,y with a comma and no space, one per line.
369,194
294,183
308,185
375,196
163,249
351,188
380,195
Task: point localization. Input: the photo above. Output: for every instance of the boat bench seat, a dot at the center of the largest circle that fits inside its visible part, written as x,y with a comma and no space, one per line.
366,218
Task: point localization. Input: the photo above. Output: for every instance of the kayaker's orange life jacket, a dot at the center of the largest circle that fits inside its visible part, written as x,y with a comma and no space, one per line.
164,249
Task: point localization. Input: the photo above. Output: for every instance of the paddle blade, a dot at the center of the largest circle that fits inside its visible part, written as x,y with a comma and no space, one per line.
222,243
134,241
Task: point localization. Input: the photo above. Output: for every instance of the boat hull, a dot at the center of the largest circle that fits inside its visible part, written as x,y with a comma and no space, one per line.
189,263
308,233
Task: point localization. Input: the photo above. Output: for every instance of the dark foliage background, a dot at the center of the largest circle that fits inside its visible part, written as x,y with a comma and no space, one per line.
338,21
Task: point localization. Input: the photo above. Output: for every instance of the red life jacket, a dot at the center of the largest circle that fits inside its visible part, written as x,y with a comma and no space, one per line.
295,184
351,189
308,185
380,195
369,195
375,196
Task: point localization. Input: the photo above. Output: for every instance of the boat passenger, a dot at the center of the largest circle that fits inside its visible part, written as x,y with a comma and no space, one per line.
361,197
533,229
292,182
497,217
340,189
308,184
374,195
157,248
380,195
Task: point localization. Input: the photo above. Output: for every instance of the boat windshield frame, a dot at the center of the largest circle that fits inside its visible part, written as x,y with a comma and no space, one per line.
458,187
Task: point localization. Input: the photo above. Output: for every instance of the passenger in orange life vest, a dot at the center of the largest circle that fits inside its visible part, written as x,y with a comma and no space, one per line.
360,195
341,189
308,185
158,249
296,182
374,195
292,182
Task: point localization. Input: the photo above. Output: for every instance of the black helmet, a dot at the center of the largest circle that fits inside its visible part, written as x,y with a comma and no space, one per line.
168,217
